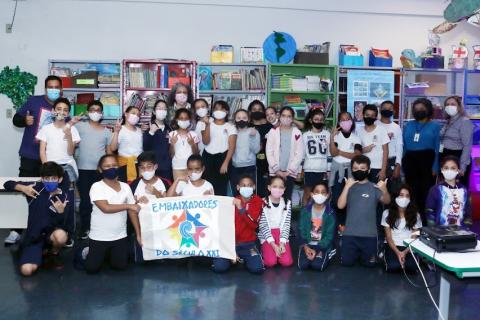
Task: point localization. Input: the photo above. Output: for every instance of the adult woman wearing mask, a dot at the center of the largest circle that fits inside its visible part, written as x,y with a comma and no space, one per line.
456,136
181,96
421,142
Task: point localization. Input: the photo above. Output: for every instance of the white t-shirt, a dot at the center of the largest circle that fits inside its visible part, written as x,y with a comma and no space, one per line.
57,145
130,143
316,148
345,145
378,137
188,189
182,148
109,226
140,190
401,232
395,146
198,130
219,135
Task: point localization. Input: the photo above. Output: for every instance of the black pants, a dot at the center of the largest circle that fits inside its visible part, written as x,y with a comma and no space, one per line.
116,251
237,173
337,189
417,166
393,265
213,163
465,180
262,177
393,184
86,178
289,184
29,167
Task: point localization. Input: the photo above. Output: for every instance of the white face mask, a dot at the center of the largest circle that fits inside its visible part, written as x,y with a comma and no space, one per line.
160,114
246,192
402,202
319,198
219,114
184,124
202,112
451,110
181,98
95,116
196,176
133,119
449,174
147,175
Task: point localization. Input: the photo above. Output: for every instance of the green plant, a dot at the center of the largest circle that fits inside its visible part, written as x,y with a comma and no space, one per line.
17,85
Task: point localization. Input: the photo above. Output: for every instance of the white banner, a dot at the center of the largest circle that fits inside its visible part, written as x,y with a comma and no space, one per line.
198,226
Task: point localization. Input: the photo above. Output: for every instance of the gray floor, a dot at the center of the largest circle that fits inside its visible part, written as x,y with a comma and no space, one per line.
167,291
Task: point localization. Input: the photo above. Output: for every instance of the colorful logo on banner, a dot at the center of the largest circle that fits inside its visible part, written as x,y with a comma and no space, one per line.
187,229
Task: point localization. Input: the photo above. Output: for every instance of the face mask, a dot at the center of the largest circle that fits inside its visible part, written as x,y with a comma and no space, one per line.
369,121
360,175
196,176
318,125
420,115
110,174
257,115
95,116
277,192
451,110
147,175
286,121
181,98
346,125
50,186
184,124
246,192
402,202
241,124
133,119
219,114
202,112
53,94
58,116
386,113
319,198
449,174
275,122
160,114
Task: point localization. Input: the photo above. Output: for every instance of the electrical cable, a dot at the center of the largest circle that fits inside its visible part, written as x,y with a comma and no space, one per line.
14,13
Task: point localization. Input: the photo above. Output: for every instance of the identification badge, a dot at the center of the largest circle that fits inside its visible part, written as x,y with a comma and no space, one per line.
416,137
440,149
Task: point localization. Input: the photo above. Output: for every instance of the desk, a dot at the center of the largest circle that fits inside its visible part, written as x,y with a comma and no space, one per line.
13,206
463,264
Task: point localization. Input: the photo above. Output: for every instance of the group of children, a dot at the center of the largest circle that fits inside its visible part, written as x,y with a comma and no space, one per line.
256,158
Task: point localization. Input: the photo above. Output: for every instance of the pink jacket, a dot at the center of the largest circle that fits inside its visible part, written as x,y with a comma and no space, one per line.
273,152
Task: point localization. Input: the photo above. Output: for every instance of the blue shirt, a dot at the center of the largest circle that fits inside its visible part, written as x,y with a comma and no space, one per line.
428,138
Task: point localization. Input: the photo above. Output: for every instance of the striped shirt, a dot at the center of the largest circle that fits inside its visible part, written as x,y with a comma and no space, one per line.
275,218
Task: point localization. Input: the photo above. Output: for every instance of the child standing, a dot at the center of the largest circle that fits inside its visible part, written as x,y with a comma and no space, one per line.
183,142
248,208
201,109
246,149
361,197
316,147
448,202
317,230
149,185
285,150
192,184
274,226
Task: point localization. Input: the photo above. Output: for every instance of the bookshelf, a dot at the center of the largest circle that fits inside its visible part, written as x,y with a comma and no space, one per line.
85,80
441,84
146,80
302,86
471,93
236,83
343,86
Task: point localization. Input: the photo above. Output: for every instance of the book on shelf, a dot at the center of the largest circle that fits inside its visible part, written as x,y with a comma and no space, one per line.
308,83
205,78
242,79
160,77
235,102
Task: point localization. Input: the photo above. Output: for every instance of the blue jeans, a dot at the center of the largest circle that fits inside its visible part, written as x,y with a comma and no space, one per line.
250,255
320,263
363,248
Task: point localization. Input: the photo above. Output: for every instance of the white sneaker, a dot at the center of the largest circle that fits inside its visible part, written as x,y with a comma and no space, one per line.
12,238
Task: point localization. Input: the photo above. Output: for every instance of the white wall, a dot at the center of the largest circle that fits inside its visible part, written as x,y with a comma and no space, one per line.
74,29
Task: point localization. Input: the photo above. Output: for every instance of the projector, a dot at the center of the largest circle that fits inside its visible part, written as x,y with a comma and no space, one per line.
448,238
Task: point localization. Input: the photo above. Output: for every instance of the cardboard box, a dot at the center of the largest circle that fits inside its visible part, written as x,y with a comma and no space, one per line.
311,58
350,61
433,62
379,61
88,79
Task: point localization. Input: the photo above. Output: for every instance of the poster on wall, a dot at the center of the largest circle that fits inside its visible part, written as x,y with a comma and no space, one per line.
368,87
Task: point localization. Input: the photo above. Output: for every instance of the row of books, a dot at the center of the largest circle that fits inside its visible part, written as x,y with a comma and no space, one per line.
311,83
145,104
161,76
243,79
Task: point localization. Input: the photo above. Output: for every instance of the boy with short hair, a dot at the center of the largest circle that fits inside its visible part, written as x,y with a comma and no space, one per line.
148,185
48,205
361,197
193,184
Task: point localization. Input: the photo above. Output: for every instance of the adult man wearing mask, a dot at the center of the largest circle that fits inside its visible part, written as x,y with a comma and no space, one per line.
32,116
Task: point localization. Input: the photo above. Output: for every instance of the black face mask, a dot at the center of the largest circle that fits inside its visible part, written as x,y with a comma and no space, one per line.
241,124
257,115
386,113
360,175
318,125
369,121
420,115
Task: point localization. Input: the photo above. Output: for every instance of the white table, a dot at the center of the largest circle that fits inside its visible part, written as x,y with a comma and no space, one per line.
13,205
462,264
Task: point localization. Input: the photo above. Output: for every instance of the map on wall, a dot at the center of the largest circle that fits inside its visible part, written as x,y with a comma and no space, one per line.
368,87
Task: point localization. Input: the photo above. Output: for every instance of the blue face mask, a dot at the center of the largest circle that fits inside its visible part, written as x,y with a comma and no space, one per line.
50,186
53,94
110,174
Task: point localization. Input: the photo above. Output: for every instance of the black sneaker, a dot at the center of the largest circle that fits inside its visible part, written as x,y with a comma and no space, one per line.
84,235
69,243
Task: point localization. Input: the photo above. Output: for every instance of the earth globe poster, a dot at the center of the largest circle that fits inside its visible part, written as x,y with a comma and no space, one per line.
279,47
368,87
